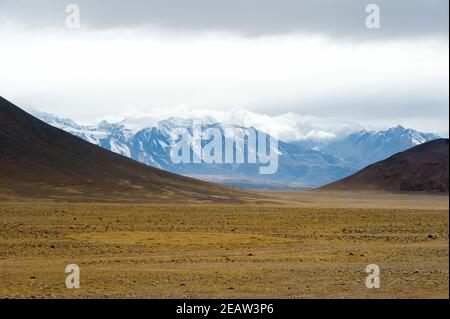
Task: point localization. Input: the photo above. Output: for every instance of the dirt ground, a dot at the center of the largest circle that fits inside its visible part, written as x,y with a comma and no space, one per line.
316,246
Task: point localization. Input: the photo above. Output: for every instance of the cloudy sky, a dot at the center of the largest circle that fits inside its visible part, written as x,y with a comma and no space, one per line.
316,59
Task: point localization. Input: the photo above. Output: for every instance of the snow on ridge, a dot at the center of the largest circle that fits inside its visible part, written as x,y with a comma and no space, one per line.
289,127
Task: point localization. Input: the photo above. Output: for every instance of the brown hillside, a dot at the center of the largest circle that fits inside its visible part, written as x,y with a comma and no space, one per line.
423,168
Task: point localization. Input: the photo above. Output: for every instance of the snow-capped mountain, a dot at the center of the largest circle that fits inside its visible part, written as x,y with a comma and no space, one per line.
305,164
366,147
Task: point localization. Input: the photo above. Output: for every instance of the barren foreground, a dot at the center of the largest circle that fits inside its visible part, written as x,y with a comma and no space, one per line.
291,251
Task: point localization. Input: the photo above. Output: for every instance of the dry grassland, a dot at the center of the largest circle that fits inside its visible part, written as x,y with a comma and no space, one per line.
304,249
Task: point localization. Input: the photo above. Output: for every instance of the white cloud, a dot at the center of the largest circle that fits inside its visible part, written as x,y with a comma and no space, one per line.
86,75
287,127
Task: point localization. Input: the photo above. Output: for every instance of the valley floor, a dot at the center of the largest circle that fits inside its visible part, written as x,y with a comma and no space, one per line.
304,249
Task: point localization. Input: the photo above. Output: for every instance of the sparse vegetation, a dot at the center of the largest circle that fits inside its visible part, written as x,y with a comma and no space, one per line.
181,251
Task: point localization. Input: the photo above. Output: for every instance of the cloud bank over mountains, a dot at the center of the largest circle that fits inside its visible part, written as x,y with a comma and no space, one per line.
287,126
313,58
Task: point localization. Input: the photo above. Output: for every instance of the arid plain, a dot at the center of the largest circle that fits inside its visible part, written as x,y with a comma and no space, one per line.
304,245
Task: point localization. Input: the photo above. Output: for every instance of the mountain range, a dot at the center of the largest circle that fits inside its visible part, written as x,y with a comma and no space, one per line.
41,162
366,147
302,164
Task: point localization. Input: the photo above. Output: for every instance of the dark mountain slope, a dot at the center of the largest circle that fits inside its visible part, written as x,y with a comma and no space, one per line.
423,168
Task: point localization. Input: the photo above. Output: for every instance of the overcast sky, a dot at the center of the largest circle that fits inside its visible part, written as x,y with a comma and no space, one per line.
314,58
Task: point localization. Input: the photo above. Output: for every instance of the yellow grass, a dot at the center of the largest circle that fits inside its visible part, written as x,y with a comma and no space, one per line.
303,249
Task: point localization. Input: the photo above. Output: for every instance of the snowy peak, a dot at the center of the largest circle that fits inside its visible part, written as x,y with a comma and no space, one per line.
398,133
54,120
366,147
